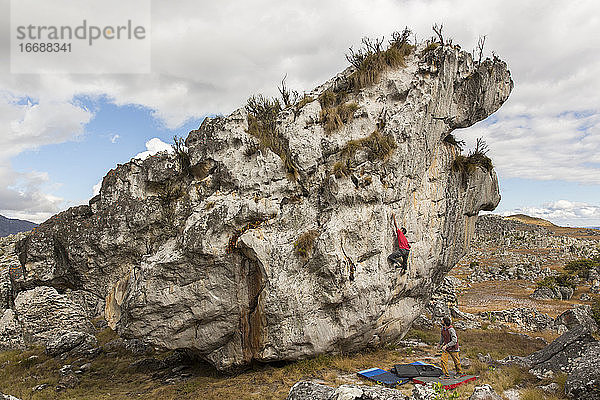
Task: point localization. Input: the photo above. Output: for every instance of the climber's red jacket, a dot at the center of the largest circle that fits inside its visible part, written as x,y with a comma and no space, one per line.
402,242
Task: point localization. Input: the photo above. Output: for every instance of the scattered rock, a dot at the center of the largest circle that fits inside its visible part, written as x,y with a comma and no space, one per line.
466,324
514,360
7,397
315,391
309,391
72,344
85,367
134,346
40,387
487,359
39,315
422,322
465,363
501,241
423,392
512,394
66,370
11,334
559,355
148,365
412,343
551,388
68,380
438,309
546,293
580,315
528,318
585,297
543,293
584,380
484,392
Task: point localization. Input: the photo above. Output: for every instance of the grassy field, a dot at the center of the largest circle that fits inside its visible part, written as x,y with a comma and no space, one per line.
111,377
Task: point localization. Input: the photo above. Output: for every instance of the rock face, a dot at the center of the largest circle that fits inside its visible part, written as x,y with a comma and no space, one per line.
201,250
71,343
584,380
39,316
581,315
562,355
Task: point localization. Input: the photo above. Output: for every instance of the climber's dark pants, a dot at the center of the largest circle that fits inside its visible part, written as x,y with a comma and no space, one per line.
400,256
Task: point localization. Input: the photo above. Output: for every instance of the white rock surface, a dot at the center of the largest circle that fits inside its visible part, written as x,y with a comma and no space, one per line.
154,241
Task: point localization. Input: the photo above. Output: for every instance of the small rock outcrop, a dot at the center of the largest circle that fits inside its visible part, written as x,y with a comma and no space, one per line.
72,344
562,355
485,392
580,315
7,397
314,391
247,247
584,380
547,293
528,318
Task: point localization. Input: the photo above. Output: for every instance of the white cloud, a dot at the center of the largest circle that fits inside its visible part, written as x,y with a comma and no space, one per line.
562,147
24,198
563,212
29,126
96,188
208,57
153,146
114,138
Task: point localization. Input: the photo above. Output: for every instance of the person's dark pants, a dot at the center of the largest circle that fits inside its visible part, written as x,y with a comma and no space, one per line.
400,257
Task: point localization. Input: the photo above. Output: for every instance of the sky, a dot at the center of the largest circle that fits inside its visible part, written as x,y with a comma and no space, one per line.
61,132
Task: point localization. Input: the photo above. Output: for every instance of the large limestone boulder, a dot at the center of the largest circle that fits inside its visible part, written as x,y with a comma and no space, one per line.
224,252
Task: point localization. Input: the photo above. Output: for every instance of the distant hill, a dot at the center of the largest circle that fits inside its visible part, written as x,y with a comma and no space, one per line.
530,220
10,226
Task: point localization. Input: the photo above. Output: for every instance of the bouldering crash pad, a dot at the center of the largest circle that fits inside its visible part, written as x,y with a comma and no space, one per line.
448,383
382,377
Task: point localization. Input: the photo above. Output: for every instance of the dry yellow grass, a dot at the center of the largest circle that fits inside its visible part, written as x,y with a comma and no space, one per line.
111,378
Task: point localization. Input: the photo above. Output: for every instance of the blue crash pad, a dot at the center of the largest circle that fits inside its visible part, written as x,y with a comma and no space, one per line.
382,377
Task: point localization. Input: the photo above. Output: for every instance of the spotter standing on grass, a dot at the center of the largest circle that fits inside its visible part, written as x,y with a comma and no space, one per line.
449,346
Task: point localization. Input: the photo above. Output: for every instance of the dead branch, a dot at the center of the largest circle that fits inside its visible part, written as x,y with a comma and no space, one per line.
438,30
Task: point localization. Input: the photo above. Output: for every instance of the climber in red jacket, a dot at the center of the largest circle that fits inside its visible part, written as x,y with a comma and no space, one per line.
400,257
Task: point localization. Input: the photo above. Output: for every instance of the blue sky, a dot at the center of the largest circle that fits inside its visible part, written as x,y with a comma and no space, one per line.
113,136
63,132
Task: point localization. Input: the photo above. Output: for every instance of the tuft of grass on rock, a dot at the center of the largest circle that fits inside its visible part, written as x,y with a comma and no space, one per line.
304,246
262,124
378,147
304,101
334,118
430,47
476,158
